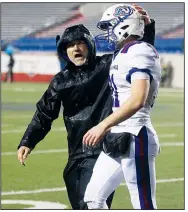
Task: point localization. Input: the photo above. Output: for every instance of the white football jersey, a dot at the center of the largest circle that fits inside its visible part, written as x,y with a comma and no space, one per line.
136,60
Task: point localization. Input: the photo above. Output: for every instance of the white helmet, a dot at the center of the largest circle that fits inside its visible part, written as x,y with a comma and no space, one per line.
120,21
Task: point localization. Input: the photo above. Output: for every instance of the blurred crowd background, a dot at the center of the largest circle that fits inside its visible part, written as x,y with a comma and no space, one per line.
28,31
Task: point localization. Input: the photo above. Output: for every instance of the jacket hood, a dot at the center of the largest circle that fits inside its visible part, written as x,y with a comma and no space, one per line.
76,32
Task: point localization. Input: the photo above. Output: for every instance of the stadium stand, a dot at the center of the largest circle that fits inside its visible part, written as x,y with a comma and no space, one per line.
157,11
19,19
90,13
33,26
177,32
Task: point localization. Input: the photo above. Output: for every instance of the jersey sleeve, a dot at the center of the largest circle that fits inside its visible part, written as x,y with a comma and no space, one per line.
140,75
141,63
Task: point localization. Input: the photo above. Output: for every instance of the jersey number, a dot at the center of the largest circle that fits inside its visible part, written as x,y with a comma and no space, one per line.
114,89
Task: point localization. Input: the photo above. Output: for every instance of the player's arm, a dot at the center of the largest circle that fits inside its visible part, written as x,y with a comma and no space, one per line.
140,78
139,93
47,111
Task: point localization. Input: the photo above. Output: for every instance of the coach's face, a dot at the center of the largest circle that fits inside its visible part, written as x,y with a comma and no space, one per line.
77,52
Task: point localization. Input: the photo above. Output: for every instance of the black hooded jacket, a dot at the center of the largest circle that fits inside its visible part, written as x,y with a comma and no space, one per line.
83,91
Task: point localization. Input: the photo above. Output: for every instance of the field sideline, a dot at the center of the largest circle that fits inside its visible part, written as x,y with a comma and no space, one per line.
34,186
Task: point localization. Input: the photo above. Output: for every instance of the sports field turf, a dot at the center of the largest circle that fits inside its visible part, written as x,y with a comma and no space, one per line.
40,183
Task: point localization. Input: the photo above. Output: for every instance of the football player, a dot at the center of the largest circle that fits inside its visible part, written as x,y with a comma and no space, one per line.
131,143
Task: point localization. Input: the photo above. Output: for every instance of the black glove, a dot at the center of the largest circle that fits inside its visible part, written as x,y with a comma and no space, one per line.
116,144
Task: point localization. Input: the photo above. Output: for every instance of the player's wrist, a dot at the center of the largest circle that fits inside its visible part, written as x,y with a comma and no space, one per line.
103,125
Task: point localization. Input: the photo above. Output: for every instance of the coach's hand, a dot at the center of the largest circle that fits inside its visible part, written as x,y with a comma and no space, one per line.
22,154
143,13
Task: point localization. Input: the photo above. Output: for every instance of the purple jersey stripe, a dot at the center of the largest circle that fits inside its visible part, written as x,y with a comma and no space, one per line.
142,169
133,70
128,45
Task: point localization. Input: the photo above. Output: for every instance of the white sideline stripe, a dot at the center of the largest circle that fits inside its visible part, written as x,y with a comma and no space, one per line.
172,94
38,152
172,144
20,89
164,180
64,129
22,129
34,191
64,188
177,95
35,204
167,135
170,124
6,125
16,116
66,150
161,90
170,90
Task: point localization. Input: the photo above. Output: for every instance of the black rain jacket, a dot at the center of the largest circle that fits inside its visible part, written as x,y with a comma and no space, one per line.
83,91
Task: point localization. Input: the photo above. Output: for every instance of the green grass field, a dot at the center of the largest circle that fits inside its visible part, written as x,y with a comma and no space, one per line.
40,184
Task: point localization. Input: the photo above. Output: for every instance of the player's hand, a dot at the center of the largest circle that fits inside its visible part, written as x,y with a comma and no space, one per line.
94,135
22,154
143,13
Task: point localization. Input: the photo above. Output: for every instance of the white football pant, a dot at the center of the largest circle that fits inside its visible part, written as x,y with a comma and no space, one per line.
137,167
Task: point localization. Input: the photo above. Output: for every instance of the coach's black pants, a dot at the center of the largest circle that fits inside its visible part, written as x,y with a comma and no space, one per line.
77,175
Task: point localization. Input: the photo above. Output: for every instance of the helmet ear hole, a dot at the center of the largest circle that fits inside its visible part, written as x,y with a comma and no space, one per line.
124,27
125,35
